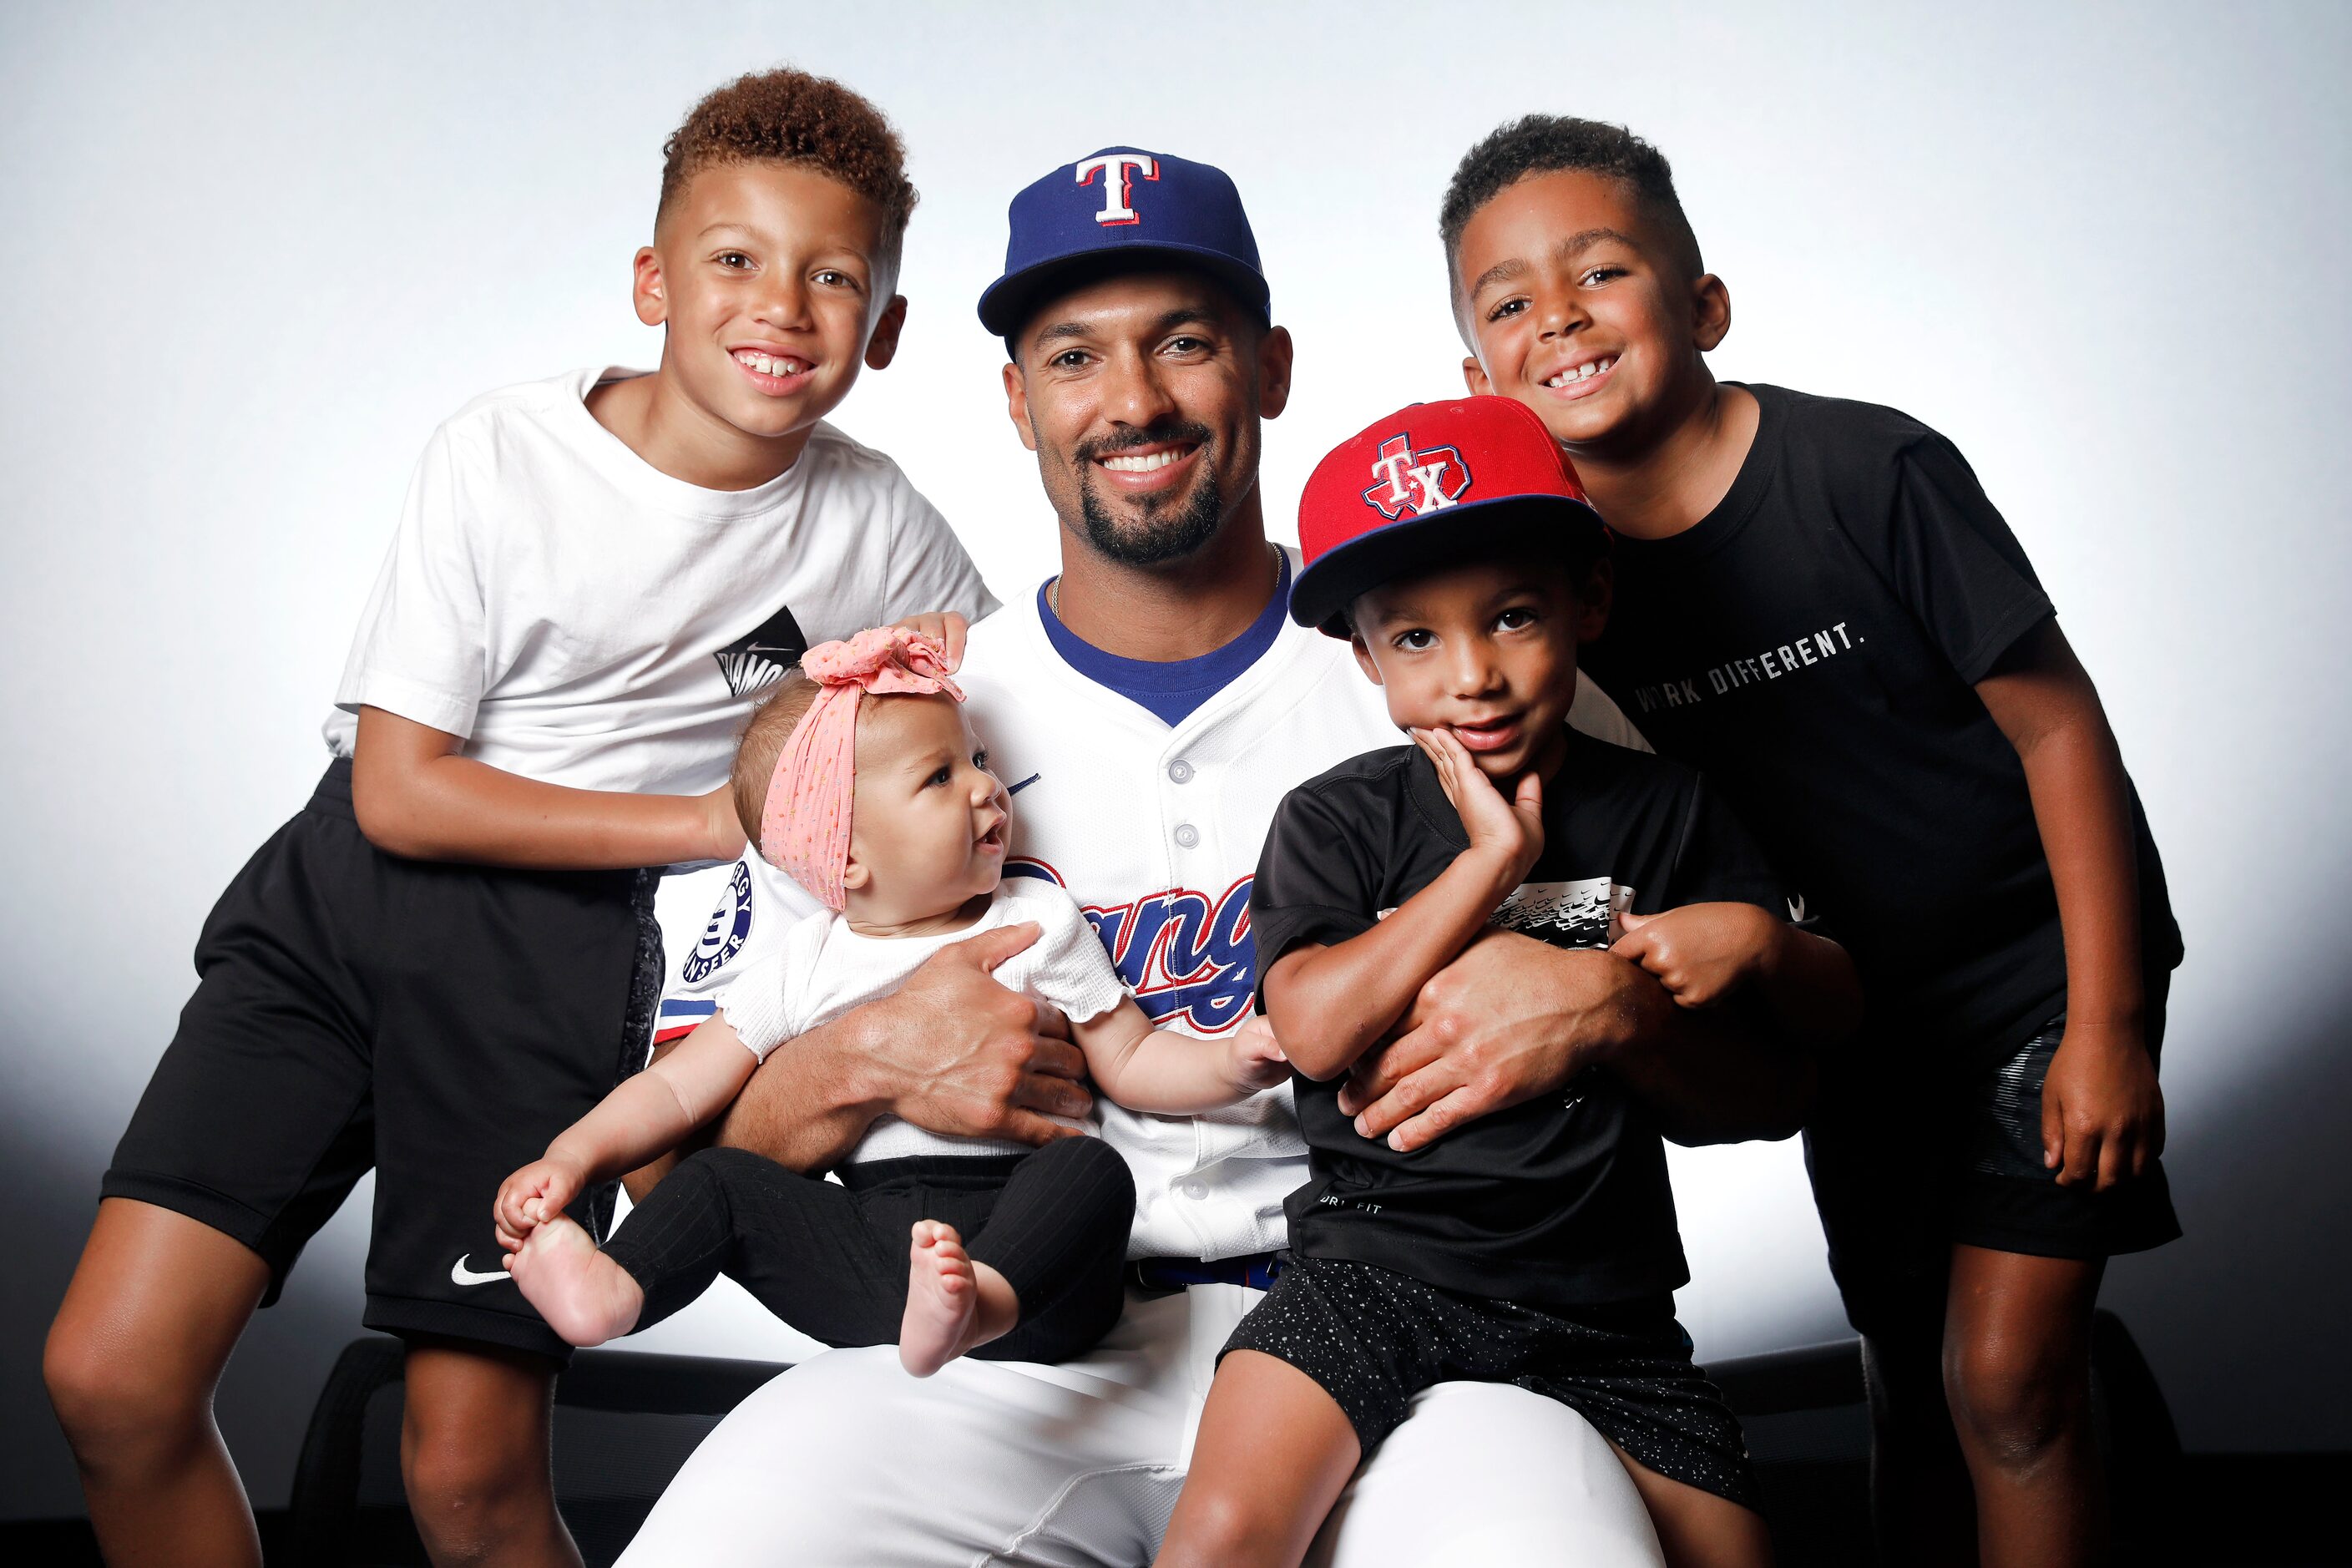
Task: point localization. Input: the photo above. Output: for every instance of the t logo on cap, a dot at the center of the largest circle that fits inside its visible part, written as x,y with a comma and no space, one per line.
1056,234
1117,189
1406,483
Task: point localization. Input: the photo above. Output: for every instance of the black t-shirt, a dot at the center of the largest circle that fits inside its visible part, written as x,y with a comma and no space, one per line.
1559,1203
1813,644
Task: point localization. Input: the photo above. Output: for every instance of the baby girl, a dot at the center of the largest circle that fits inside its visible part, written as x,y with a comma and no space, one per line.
861,780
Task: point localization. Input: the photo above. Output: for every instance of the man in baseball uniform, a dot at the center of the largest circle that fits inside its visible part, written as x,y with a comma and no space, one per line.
1148,709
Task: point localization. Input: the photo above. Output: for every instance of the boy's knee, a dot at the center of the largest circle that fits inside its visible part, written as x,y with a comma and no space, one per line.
2013,1400
472,1501
112,1405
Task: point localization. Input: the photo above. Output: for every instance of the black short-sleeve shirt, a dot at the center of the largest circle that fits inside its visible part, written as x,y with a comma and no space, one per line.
1559,1203
1813,644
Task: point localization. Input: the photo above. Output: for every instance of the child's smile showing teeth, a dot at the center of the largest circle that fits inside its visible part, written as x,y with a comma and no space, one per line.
1580,378
772,372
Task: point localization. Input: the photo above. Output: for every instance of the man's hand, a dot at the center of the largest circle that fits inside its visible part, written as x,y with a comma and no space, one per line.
945,627
540,1191
1511,1018
1257,1062
1701,953
2102,1112
955,1052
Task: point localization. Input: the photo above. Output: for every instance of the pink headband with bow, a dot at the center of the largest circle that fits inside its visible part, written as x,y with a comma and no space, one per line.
804,827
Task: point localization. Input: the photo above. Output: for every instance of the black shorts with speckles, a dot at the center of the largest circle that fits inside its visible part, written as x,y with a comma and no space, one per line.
1373,1339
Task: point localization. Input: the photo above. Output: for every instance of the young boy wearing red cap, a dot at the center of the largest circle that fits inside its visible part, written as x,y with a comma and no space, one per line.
1817,604
1452,544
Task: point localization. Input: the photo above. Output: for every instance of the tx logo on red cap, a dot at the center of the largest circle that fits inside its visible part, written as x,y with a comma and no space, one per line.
1117,186
1406,483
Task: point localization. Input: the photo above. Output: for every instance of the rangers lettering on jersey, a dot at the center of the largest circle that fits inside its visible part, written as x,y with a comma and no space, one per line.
1189,958
1406,483
1117,186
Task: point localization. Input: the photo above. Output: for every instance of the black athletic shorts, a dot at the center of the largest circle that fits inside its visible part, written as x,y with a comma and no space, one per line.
438,1023
1908,1159
1373,1338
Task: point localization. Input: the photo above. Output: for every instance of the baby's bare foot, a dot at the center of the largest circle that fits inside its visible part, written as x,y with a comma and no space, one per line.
942,1299
584,1296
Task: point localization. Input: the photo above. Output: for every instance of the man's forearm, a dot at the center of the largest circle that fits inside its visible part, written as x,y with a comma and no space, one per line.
810,1103
1709,1077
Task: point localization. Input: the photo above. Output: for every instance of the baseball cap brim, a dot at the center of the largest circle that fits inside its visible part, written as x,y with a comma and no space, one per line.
1320,596
1009,303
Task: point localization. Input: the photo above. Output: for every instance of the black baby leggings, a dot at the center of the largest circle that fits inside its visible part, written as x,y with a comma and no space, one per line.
831,1260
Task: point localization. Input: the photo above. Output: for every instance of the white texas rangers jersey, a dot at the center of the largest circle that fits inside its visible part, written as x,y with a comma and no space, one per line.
1156,831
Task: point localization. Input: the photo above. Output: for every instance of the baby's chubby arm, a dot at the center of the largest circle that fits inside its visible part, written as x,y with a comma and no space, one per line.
646,1116
1704,953
1172,1073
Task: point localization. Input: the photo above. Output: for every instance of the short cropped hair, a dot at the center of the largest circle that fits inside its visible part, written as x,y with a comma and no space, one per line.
771,726
1548,143
794,117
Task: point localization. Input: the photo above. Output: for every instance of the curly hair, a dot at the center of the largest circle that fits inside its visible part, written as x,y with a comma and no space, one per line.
794,117
1547,144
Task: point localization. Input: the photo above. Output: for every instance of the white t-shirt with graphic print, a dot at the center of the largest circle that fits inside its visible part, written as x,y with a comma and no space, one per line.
820,969
581,618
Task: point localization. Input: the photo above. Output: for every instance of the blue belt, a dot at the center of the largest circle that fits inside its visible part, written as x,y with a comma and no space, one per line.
1255,1269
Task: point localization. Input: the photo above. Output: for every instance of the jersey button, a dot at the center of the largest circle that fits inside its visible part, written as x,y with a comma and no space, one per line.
1187,836
1180,772
1193,1187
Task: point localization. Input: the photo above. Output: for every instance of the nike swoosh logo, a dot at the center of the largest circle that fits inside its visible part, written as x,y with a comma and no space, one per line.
461,1275
1024,784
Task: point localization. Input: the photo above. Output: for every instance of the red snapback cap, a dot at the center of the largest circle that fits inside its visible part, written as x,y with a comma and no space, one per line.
1432,484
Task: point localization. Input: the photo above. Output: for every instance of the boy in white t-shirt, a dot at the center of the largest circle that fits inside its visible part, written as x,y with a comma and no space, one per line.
448,955
946,1246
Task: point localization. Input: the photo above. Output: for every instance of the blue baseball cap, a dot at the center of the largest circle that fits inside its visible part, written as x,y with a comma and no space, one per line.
1123,202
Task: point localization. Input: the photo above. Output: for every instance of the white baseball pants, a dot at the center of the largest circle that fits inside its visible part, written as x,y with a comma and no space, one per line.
846,1459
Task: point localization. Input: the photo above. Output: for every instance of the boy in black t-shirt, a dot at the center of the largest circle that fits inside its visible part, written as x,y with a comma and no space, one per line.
1817,604
1536,1246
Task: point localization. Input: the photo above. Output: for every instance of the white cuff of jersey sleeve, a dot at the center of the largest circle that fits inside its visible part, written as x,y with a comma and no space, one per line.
754,1008
432,706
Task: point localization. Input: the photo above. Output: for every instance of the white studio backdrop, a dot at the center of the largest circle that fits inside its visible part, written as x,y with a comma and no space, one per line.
254,254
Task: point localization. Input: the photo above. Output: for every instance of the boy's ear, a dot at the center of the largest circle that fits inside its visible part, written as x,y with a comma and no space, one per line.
1474,377
1016,405
1710,312
647,290
1364,659
1593,600
882,343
